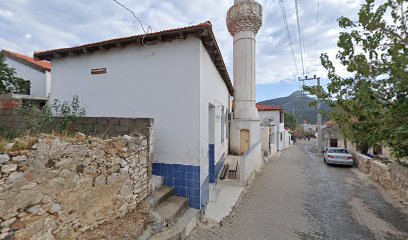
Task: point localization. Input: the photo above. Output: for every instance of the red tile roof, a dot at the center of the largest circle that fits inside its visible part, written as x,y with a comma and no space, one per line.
29,61
262,107
202,31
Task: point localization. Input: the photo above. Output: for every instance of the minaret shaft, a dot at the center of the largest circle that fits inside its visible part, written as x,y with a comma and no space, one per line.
244,76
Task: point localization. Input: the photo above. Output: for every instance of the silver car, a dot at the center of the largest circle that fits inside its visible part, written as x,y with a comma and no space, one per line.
334,155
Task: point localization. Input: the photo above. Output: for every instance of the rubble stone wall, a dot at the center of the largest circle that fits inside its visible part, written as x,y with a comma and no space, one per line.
62,187
392,176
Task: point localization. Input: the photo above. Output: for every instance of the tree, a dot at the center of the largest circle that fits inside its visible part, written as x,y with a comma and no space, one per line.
371,105
9,82
290,121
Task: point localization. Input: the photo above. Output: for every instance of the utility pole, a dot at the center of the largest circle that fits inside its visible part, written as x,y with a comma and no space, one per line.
319,115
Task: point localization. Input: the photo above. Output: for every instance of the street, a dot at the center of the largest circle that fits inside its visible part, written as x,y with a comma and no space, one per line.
300,197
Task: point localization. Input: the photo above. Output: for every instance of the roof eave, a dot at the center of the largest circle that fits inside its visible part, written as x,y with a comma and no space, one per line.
25,62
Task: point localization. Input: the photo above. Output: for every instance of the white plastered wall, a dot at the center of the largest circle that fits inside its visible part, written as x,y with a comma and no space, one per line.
36,77
160,82
212,91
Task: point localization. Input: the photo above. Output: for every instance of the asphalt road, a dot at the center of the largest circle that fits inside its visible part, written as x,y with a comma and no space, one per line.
300,197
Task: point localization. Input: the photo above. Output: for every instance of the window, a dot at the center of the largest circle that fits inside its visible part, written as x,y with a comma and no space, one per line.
222,124
281,136
227,120
280,117
26,89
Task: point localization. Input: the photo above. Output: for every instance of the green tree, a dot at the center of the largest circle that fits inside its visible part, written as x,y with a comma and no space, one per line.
371,102
9,82
290,121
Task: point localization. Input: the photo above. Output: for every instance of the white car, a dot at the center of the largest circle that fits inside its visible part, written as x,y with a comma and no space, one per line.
335,155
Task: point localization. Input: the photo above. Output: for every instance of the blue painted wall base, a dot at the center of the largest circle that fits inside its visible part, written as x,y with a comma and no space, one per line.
214,169
185,180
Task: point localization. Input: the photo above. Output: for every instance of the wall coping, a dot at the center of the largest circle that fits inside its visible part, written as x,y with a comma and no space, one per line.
250,150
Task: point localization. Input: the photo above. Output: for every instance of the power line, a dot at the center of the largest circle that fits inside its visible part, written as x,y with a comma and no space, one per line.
302,28
133,13
285,20
317,23
141,25
300,36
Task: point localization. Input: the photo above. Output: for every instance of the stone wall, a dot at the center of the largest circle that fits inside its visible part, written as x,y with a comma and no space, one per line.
390,176
60,187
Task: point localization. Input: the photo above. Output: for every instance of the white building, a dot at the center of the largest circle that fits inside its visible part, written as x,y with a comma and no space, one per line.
309,128
277,137
178,77
38,73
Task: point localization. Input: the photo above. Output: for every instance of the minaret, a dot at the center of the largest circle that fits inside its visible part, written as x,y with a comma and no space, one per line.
244,19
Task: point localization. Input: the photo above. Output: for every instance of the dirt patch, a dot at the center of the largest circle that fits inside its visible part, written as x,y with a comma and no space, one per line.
130,226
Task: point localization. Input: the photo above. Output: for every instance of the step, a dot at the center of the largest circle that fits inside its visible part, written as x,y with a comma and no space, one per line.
160,195
172,208
182,229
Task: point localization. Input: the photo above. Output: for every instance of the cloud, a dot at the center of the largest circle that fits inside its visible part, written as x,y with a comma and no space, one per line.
46,24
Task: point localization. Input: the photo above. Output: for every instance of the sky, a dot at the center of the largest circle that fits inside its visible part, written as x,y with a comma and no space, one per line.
35,25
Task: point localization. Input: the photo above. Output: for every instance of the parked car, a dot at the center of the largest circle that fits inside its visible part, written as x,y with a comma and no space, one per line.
335,155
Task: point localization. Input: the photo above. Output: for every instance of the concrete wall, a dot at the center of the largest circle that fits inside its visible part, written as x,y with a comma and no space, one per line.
13,121
39,80
160,82
250,163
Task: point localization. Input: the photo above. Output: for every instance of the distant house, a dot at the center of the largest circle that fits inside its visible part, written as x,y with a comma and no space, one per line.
310,128
37,72
273,118
178,77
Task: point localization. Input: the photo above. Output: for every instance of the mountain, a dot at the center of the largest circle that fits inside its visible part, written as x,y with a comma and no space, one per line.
298,103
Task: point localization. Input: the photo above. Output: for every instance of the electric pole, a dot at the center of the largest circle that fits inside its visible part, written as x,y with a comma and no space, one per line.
319,115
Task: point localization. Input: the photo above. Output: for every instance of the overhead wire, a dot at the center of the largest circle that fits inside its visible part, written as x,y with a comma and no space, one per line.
133,13
303,35
300,36
149,29
317,23
285,20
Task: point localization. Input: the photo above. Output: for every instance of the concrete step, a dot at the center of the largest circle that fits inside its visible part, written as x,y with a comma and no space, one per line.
180,231
172,208
160,195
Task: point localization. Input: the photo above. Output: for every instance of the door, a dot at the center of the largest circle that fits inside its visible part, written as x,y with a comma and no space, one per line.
333,143
244,140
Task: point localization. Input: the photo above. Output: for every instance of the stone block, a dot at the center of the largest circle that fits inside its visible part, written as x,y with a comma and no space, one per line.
4,158
8,168
21,158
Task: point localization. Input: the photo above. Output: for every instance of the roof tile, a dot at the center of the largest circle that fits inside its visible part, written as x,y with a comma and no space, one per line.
38,64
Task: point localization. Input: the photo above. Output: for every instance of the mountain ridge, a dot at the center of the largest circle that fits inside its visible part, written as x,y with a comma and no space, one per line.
298,104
